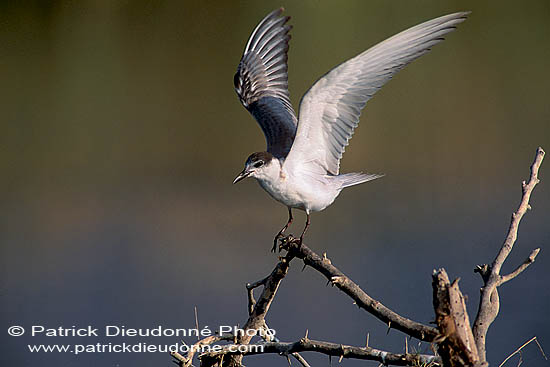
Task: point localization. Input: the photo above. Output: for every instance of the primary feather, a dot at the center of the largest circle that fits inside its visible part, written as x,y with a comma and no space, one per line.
261,82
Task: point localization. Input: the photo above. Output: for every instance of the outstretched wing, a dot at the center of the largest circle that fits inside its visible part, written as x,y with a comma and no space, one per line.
261,82
329,111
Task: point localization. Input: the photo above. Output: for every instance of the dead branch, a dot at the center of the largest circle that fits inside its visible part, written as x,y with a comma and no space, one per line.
456,343
489,303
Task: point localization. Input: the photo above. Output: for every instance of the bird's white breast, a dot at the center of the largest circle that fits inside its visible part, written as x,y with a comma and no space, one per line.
300,190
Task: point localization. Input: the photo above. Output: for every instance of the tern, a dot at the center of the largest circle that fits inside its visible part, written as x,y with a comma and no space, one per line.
301,166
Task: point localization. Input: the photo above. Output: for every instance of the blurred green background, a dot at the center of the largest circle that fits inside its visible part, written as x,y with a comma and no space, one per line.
121,134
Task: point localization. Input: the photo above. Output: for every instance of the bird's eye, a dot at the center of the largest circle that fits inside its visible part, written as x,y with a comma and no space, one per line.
258,164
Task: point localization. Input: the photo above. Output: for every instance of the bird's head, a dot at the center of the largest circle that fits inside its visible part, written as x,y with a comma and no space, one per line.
260,165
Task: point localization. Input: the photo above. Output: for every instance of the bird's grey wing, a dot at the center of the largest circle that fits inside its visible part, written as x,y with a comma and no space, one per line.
261,82
329,111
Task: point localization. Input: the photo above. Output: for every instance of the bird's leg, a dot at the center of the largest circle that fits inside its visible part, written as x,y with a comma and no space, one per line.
299,241
280,234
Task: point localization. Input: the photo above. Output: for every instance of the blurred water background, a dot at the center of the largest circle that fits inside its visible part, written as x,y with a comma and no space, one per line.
121,134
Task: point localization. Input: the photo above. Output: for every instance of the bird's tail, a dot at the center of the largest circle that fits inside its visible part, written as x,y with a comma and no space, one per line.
356,178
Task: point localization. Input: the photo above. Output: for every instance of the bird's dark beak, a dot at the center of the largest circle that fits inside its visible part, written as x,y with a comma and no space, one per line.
244,174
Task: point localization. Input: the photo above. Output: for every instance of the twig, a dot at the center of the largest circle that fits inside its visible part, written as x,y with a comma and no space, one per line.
489,303
520,348
197,322
521,267
250,289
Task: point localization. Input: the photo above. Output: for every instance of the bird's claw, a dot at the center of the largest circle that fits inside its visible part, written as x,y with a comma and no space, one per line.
281,241
288,239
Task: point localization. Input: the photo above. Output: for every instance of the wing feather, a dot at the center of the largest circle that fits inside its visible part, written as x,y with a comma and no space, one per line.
330,110
261,82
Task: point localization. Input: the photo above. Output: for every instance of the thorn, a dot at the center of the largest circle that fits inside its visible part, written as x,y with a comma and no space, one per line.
326,259
338,280
197,322
367,344
341,357
304,268
529,207
406,345
389,327
307,332
288,359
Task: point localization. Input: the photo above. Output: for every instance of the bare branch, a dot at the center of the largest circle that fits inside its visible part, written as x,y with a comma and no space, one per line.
489,303
521,267
330,349
361,298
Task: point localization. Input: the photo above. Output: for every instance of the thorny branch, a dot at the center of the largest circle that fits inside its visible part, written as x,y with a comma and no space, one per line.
331,349
361,298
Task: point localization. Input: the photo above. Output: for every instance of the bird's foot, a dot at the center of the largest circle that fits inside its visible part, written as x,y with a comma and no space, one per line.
282,241
287,241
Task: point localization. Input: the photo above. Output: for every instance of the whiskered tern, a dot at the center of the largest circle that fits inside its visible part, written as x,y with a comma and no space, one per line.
301,167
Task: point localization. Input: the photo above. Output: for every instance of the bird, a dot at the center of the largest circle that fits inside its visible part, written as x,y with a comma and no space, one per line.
301,165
